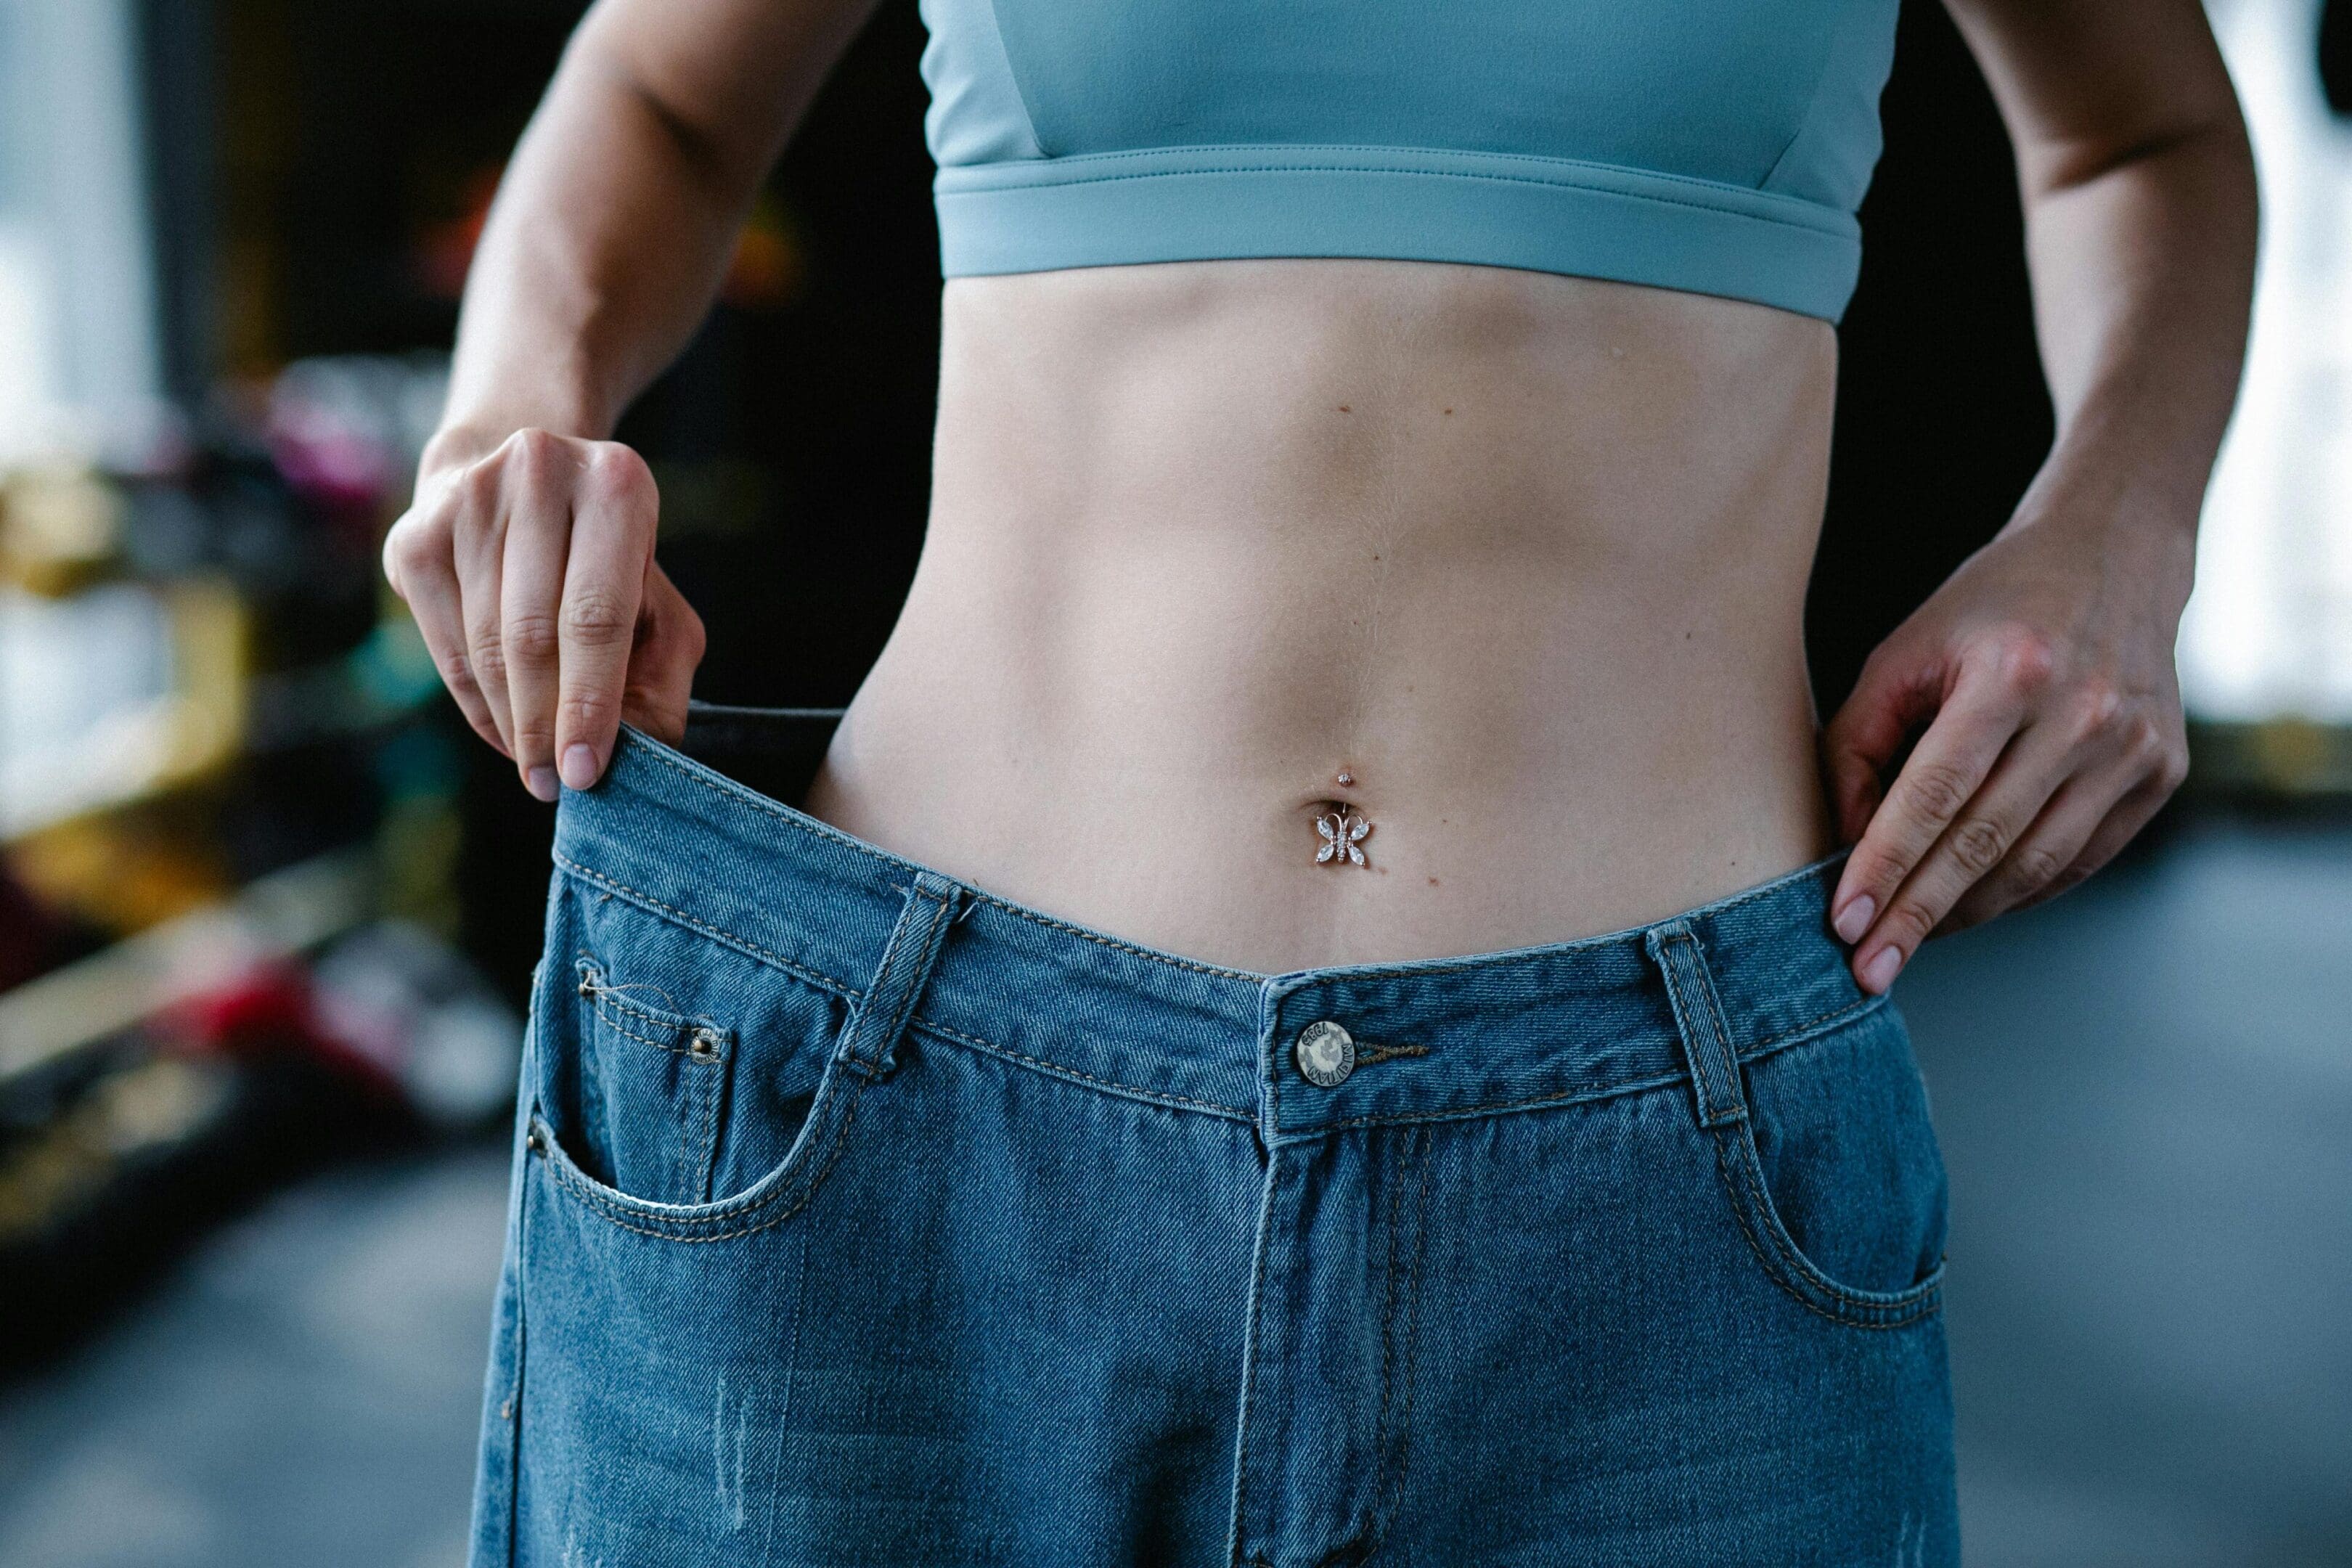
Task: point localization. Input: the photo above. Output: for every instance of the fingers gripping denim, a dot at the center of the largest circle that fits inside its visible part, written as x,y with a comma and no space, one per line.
863,1217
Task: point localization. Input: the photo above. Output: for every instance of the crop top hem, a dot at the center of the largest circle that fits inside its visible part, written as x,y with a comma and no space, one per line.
1544,214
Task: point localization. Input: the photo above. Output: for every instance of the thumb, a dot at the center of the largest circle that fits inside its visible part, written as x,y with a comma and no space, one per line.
1899,691
668,648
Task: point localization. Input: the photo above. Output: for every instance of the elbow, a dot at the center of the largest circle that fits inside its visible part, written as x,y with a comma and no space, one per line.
2229,156
710,160
695,147
2200,170
2214,142
2225,187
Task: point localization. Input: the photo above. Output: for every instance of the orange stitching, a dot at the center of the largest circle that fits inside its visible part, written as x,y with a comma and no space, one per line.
686,1051
1255,1335
1412,1351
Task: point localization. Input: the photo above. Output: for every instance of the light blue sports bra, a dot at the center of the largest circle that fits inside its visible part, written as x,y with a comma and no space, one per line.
1718,146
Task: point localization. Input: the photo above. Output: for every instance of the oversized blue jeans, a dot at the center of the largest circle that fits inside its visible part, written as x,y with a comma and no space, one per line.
860,1217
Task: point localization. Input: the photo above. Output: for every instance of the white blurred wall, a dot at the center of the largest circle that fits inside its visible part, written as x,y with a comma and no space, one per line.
2269,630
79,344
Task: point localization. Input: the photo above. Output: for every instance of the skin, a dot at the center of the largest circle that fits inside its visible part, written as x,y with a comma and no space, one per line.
1522,555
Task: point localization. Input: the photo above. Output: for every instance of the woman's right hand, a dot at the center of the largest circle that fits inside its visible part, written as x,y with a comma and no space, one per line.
530,568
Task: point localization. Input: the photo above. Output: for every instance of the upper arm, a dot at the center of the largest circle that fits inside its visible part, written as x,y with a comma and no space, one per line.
2084,85
728,78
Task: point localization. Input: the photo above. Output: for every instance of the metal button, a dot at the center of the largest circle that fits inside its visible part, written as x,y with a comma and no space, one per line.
1326,1054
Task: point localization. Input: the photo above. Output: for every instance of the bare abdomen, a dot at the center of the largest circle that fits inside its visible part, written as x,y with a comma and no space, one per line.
1522,557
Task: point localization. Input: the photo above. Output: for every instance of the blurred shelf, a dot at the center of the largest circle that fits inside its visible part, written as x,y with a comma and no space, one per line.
50,1018
2275,762
114,694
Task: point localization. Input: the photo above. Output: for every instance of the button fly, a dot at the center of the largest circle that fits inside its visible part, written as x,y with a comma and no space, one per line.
1326,1054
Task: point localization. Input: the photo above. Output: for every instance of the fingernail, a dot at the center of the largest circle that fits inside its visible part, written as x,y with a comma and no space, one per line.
1854,918
579,766
541,782
1880,972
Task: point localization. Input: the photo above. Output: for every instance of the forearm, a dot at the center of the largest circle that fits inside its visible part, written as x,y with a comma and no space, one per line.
2142,274
2029,709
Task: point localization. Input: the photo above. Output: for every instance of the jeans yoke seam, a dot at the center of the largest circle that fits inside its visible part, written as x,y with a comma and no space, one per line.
1795,1032
732,939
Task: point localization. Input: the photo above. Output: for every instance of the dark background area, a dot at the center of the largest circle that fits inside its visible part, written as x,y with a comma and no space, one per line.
1942,418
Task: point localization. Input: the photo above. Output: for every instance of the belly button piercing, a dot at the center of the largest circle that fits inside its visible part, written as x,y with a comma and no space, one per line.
1346,778
1342,833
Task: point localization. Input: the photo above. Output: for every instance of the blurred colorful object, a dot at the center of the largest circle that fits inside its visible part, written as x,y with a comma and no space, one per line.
252,1066
59,527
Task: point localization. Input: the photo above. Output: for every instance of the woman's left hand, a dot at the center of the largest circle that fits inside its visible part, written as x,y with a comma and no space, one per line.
2043,672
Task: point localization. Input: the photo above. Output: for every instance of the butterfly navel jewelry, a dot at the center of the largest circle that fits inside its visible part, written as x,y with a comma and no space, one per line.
1342,833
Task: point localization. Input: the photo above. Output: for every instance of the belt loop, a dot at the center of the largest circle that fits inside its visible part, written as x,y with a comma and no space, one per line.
906,968
1698,1015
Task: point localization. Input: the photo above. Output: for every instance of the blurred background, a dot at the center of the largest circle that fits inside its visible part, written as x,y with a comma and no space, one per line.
267,911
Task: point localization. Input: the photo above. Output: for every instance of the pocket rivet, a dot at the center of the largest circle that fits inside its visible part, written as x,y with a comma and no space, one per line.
706,1044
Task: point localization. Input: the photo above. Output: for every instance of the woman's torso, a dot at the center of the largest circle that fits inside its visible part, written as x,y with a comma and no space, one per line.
1523,555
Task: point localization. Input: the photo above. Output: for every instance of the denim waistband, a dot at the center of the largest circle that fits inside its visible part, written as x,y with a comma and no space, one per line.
1440,1038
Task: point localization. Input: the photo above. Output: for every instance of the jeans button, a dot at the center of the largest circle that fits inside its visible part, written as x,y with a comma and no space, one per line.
1326,1054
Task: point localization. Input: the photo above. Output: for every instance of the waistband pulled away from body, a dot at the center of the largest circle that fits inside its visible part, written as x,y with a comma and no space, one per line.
1431,1038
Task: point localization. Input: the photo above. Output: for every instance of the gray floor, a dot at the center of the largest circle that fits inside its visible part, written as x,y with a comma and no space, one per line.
303,1395
2145,1096
2144,1093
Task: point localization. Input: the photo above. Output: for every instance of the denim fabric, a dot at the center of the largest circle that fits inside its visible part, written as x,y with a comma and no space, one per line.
860,1217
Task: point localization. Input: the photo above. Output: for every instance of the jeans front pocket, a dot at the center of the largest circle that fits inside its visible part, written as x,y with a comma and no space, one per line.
671,1068
1835,1176
652,1086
